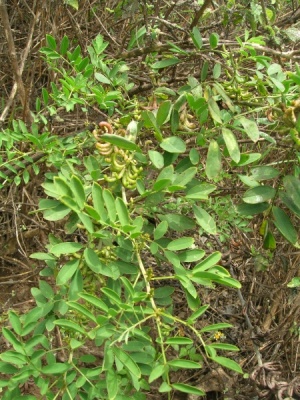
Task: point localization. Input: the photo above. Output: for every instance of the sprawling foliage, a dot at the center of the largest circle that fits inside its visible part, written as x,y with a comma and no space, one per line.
134,190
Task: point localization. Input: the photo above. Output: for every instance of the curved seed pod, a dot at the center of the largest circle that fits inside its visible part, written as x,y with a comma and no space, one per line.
105,127
110,178
128,185
103,149
120,174
103,146
128,179
136,169
115,162
96,134
131,175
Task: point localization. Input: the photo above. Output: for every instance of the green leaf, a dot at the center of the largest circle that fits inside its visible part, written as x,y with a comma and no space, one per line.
213,161
193,300
166,173
215,327
201,310
191,255
196,38
66,248
185,177
228,363
284,225
264,172
180,244
15,322
45,95
127,361
177,222
70,203
217,70
110,204
205,220
295,78
248,180
200,191
213,40
165,63
98,202
161,185
46,289
259,194
150,122
102,78
112,384
136,36
182,387
55,369
209,262
231,144
122,212
292,196
224,96
6,368
173,259
88,224
51,42
93,261
204,70
11,338
175,120
295,282
214,110
250,128
224,346
83,311
269,241
179,341
278,84
252,209
160,230
64,45
187,284
95,301
69,325
120,142
180,363
157,371
206,277
61,186
163,113
78,191
156,158
247,159
112,295
194,156
14,357
42,256
173,144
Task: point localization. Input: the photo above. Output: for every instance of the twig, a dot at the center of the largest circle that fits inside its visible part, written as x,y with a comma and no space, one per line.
14,61
247,319
199,13
22,63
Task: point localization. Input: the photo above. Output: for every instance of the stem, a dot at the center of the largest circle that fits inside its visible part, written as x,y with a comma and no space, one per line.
14,61
199,13
155,308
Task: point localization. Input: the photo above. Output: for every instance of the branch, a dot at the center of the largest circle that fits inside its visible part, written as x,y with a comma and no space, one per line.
14,61
199,13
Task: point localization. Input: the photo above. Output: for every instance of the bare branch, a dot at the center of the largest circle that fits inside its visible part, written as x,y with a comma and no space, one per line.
14,61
